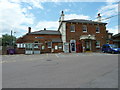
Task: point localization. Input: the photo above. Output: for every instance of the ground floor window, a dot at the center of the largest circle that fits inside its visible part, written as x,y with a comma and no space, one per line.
60,46
56,47
43,47
97,44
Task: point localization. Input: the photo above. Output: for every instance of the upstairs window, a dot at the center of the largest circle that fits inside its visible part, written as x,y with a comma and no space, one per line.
97,29
72,28
49,45
84,28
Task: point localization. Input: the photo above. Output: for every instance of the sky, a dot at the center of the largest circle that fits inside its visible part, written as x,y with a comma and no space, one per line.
18,15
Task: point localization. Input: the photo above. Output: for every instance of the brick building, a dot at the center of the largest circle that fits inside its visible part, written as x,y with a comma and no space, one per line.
116,39
76,35
82,35
43,41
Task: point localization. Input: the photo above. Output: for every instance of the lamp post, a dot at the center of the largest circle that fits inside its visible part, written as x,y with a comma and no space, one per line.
11,39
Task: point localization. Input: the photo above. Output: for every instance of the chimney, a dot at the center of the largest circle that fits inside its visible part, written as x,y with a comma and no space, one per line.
29,29
99,17
44,28
61,17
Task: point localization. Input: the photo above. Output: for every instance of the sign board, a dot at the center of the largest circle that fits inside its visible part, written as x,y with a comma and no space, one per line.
66,47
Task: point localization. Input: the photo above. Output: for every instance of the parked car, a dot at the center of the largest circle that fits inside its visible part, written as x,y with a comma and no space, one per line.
11,51
110,48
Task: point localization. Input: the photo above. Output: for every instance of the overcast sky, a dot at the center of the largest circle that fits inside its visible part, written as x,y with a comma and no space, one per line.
18,15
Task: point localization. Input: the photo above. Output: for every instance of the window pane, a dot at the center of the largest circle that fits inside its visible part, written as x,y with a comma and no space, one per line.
56,47
97,29
49,44
97,44
84,28
72,28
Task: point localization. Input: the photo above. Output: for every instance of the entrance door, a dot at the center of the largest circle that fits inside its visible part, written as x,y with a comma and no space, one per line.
78,47
88,45
73,46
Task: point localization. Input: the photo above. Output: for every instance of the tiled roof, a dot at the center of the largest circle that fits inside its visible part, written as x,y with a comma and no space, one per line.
49,32
83,21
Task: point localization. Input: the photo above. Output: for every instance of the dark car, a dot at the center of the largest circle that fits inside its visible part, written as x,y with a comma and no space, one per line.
11,51
110,48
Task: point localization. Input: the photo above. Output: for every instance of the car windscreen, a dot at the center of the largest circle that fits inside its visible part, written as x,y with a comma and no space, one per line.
114,46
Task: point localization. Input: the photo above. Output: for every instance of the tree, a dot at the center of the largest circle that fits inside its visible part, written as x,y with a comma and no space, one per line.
0,41
8,40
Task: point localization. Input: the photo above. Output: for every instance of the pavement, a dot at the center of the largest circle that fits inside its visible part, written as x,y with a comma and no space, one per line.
73,70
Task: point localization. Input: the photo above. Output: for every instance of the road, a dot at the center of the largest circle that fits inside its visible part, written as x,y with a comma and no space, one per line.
87,70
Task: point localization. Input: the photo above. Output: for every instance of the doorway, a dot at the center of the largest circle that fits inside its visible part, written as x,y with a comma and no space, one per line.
72,45
88,45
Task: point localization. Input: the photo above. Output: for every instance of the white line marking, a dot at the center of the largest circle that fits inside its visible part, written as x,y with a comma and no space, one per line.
57,56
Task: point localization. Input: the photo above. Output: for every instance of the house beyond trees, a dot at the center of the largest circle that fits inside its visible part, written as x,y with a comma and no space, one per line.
76,35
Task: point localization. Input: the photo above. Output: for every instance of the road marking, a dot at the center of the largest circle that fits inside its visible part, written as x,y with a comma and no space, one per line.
57,56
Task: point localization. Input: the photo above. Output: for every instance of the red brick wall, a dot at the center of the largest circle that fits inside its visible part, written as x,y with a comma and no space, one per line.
30,38
91,29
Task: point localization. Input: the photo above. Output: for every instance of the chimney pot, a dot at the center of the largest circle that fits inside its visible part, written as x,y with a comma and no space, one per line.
29,29
44,28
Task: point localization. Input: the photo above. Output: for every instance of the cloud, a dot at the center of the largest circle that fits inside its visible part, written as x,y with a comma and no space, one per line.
16,16
113,30
76,16
110,9
51,25
34,3
13,16
66,10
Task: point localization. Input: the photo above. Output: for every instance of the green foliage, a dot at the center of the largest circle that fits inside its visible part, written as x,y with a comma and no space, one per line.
8,40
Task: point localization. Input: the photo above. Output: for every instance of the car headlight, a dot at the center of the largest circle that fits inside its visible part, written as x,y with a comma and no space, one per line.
115,49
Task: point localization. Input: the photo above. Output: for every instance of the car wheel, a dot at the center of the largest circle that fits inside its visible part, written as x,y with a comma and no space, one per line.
113,52
103,51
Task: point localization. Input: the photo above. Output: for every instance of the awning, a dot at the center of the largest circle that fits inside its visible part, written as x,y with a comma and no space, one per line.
92,37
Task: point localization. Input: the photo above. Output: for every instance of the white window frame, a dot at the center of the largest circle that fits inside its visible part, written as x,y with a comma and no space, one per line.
56,47
98,29
43,47
18,45
73,27
98,46
84,28
24,45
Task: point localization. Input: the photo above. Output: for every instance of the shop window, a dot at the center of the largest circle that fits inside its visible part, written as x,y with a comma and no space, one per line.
97,44
84,28
72,28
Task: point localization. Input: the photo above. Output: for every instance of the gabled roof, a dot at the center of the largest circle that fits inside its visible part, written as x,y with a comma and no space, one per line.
48,32
83,21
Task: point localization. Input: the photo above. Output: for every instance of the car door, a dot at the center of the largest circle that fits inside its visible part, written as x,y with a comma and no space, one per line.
104,48
108,49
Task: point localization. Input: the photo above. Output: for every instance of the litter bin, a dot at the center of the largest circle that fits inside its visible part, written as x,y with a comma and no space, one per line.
11,51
